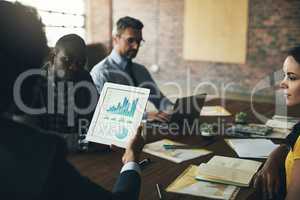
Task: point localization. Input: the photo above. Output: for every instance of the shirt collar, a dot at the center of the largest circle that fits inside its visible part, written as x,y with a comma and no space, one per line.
119,60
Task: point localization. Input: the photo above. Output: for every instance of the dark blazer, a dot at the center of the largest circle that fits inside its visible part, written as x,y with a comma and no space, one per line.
33,165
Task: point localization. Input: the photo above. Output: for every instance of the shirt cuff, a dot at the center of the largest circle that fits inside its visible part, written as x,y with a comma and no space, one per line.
145,115
167,106
131,166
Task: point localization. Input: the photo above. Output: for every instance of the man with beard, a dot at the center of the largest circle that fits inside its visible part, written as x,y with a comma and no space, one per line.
119,68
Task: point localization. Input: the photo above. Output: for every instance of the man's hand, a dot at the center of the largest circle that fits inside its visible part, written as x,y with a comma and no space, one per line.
158,116
134,147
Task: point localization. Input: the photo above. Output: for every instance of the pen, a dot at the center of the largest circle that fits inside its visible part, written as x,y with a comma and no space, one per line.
172,146
158,192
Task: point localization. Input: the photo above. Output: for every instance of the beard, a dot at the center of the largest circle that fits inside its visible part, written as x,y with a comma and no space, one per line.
131,54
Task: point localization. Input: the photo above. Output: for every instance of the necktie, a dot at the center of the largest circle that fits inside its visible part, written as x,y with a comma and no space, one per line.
129,71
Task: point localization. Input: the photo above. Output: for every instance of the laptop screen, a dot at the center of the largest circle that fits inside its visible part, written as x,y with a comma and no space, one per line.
187,109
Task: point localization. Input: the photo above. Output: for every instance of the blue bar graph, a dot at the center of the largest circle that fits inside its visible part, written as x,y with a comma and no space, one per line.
124,108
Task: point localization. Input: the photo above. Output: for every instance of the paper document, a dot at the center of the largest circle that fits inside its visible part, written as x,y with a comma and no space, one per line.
175,155
286,118
274,123
226,170
252,148
276,133
282,122
214,111
187,184
118,114
236,163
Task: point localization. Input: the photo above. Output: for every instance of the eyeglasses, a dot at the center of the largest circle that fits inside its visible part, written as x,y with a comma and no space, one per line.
132,40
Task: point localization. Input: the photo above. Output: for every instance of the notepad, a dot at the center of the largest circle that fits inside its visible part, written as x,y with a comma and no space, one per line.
282,122
226,170
252,148
187,184
174,155
274,123
276,133
214,111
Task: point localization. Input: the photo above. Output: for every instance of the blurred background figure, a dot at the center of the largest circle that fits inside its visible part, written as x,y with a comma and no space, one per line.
68,92
33,163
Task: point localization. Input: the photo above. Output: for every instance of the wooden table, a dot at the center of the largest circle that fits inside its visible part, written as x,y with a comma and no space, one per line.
103,168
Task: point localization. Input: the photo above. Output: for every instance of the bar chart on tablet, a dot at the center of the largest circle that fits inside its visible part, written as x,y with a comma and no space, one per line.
124,108
118,114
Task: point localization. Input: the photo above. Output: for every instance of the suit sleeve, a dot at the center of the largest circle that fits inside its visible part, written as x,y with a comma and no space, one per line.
69,184
128,185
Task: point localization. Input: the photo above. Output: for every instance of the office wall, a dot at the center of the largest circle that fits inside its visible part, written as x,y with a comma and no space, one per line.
98,28
274,26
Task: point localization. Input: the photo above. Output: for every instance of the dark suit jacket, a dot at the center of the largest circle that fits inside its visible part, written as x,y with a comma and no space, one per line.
33,165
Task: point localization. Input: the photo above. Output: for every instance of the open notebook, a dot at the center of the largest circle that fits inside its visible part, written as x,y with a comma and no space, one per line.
187,184
244,147
226,170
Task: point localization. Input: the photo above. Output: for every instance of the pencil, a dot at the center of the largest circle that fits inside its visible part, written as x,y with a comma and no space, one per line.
200,146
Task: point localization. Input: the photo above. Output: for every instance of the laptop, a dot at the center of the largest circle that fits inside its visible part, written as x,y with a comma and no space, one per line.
186,111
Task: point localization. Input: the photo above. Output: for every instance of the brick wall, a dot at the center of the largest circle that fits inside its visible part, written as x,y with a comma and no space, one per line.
274,26
98,25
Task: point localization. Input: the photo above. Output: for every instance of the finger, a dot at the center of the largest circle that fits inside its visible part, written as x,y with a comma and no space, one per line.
161,118
165,118
138,140
165,115
151,116
138,134
140,130
157,118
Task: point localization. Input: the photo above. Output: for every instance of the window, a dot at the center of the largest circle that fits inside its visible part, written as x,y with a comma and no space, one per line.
60,17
